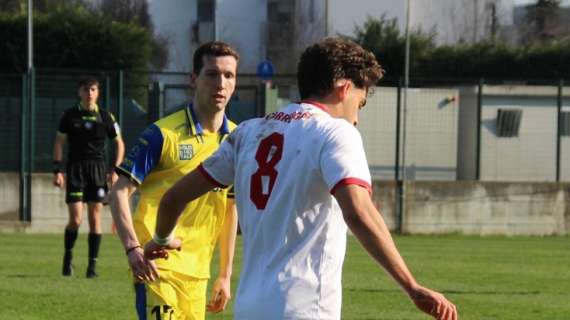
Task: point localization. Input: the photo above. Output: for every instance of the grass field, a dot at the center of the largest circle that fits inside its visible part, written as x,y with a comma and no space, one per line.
487,277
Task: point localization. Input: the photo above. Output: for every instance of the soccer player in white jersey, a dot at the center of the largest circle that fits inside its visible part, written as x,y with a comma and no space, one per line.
300,178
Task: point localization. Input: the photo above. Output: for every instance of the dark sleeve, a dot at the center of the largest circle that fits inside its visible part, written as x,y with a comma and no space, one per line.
63,123
111,126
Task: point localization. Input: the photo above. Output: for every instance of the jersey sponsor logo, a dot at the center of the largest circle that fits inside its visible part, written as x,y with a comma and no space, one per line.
89,118
186,151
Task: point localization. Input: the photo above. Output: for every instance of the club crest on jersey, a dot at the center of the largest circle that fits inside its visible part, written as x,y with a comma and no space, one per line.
186,151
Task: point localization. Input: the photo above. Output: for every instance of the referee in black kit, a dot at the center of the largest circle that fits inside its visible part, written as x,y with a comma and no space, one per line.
85,127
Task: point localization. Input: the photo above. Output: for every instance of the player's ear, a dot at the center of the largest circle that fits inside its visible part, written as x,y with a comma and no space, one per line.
342,88
193,78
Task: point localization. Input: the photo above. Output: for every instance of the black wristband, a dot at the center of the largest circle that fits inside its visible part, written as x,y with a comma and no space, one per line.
56,166
131,249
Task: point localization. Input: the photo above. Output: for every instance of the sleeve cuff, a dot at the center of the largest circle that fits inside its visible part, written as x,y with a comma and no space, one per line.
356,181
120,171
208,177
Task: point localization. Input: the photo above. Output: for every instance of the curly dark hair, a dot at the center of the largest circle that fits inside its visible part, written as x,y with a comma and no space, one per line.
331,59
212,48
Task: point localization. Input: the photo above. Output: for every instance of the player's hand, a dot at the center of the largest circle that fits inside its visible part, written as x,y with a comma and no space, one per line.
433,303
220,295
112,178
58,180
152,250
143,269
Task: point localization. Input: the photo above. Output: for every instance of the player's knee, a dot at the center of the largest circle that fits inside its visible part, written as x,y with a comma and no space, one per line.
74,223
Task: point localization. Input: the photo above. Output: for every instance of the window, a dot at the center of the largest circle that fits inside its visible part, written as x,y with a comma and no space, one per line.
508,122
565,123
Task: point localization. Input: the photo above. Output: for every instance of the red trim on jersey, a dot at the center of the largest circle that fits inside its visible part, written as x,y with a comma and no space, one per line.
208,177
317,104
356,181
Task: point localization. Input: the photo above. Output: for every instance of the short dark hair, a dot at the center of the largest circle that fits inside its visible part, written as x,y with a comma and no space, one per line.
215,49
331,59
88,82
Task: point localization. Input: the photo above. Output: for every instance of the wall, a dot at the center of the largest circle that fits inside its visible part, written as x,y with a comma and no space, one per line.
431,133
565,147
173,19
531,156
9,198
377,126
242,24
49,211
431,207
467,134
484,208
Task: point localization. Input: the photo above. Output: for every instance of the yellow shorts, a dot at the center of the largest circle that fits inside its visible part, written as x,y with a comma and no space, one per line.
173,296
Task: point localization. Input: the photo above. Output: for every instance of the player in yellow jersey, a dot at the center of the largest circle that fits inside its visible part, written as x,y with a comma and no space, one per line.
175,288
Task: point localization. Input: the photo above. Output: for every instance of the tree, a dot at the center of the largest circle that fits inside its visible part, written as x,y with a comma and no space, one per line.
489,59
383,38
129,11
11,6
136,12
44,6
124,11
72,37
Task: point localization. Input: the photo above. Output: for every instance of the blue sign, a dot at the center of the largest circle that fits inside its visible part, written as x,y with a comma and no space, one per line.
265,70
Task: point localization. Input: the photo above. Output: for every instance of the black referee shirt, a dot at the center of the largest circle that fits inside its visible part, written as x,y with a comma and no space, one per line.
86,131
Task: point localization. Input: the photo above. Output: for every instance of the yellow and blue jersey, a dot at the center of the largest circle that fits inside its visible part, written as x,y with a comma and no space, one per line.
165,152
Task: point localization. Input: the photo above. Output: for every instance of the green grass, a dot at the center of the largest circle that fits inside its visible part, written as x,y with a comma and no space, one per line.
487,277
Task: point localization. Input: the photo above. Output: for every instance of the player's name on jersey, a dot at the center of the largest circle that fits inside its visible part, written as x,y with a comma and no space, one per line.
287,117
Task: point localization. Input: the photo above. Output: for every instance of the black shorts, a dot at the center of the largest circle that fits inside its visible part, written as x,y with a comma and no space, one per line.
86,181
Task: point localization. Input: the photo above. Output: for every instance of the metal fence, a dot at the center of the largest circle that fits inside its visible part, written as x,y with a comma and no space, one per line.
446,129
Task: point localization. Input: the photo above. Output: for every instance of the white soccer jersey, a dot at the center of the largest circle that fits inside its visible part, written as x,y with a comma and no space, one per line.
285,168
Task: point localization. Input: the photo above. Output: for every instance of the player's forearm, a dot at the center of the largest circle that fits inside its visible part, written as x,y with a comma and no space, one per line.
169,209
228,241
57,154
121,212
376,239
367,225
58,148
119,151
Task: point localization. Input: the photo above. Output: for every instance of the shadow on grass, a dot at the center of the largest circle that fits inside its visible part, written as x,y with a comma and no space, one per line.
24,276
519,293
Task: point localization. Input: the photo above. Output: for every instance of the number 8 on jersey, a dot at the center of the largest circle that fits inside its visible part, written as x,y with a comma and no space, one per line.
267,156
